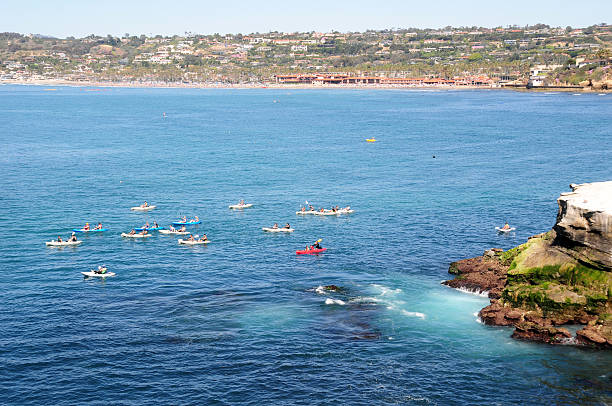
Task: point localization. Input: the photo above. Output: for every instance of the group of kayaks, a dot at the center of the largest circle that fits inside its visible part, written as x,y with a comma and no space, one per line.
145,232
334,211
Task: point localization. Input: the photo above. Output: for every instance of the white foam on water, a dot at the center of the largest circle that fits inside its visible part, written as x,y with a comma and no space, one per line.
365,299
478,319
568,341
477,292
413,314
385,290
330,301
320,290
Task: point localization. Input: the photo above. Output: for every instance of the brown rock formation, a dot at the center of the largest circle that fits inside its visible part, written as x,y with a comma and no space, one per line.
481,274
555,278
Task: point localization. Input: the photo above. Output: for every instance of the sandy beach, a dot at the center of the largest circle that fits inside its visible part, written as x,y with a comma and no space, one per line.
93,83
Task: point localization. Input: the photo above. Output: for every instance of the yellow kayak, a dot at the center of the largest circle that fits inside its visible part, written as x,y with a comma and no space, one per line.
371,139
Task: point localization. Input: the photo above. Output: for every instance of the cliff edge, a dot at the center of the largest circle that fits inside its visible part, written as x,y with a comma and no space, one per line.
556,278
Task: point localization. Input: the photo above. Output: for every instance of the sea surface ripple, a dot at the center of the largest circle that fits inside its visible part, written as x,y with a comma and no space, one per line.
244,320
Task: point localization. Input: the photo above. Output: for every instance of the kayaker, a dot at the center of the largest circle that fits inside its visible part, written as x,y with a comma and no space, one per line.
183,229
204,237
155,225
132,232
316,245
172,228
196,219
275,226
241,202
59,239
86,227
287,226
145,204
146,225
303,209
73,237
184,219
101,269
98,227
191,238
506,226
144,232
311,207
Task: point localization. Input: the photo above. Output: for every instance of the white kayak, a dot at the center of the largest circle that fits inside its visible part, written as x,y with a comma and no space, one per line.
506,230
175,232
92,274
196,242
140,208
344,211
305,212
277,230
326,213
62,244
240,206
137,235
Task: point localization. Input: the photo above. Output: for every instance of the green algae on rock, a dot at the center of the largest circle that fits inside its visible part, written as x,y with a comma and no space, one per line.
560,277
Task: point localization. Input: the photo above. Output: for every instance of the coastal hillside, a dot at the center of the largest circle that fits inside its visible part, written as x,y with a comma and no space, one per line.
561,277
539,55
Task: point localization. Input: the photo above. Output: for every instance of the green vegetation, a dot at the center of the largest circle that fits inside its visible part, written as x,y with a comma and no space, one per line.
540,278
503,54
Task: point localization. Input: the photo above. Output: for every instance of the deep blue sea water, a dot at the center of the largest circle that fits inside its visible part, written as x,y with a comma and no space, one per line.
239,321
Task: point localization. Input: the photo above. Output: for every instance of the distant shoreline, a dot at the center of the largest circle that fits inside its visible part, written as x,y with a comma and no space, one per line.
154,85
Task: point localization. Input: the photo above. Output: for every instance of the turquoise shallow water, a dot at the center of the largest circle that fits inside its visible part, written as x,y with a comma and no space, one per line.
240,321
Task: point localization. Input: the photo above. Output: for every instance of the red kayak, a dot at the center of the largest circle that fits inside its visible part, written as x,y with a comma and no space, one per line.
314,251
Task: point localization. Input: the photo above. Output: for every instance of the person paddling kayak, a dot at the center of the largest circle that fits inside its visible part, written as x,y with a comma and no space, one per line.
101,269
506,226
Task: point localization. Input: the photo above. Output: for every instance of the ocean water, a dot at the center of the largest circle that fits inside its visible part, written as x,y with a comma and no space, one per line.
241,321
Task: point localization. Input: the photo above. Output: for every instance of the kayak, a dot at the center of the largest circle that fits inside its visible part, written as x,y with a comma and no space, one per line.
305,212
240,206
371,139
277,230
91,274
80,230
62,244
326,213
501,230
181,223
135,235
197,242
315,251
176,232
149,228
344,211
139,208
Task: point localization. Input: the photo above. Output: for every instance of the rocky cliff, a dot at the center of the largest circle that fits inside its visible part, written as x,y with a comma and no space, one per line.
560,277
584,223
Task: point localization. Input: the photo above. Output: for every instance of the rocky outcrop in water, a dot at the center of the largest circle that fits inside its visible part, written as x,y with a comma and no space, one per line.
556,278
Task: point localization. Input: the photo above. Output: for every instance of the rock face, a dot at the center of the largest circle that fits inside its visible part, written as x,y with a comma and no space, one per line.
485,274
584,223
560,277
